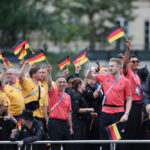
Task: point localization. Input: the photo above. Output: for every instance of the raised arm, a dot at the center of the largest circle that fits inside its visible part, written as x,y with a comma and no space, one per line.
22,71
126,58
3,75
49,70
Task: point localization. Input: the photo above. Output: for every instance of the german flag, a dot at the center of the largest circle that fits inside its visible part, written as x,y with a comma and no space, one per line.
113,132
0,88
115,33
80,58
7,62
18,47
1,57
62,63
38,56
19,124
22,53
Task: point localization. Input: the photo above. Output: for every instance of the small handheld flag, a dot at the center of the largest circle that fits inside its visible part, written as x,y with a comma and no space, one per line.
19,124
115,33
80,58
113,132
38,56
63,62
22,53
1,57
7,62
0,88
18,47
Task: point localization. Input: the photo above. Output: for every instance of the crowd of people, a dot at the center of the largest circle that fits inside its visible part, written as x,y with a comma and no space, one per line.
33,107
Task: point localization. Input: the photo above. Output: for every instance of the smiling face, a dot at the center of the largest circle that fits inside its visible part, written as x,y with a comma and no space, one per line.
134,63
61,84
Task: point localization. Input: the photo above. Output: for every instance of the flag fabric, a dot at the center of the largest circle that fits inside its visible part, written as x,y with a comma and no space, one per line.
0,88
80,58
7,62
113,132
19,124
63,62
1,57
18,47
22,53
38,56
100,68
115,33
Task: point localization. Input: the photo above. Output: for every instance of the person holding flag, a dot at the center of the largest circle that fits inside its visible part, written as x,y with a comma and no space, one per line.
34,94
117,89
130,66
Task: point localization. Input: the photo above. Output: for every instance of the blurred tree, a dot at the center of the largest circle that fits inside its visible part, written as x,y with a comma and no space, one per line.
87,19
19,18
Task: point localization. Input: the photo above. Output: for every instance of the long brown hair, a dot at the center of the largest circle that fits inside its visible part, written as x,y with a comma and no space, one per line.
75,83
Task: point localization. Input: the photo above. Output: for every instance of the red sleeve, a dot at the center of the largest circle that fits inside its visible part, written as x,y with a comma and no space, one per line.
128,88
100,77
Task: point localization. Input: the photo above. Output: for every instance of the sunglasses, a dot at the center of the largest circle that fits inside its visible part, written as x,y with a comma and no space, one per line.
135,61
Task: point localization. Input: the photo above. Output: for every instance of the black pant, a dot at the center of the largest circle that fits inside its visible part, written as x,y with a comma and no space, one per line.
108,119
4,134
80,128
59,130
134,126
93,134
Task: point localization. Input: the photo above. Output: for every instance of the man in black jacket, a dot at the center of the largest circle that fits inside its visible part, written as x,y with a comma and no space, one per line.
28,131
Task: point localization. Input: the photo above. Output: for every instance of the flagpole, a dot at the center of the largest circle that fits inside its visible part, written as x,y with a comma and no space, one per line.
126,37
31,50
47,60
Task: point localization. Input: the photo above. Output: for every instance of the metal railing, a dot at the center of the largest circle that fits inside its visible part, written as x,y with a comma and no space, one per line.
84,142
112,142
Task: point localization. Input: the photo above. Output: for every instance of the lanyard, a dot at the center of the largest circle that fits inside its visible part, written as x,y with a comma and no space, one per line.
58,102
14,87
113,85
135,79
33,92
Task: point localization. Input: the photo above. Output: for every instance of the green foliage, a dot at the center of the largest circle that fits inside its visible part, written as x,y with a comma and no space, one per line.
19,18
60,20
88,20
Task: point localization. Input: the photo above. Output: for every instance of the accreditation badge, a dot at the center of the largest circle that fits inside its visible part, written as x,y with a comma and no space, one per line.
137,90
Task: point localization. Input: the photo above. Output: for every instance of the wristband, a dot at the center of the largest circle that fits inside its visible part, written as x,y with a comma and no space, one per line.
127,113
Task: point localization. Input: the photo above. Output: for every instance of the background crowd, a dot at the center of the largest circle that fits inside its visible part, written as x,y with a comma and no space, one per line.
34,107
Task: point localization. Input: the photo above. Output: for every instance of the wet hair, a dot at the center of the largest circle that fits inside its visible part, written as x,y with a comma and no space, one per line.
117,60
75,83
132,56
33,71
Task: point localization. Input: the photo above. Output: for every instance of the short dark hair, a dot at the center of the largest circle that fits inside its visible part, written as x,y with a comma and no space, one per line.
132,56
33,71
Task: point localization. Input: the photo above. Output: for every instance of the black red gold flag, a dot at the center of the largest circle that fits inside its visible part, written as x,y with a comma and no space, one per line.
63,62
80,58
38,56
